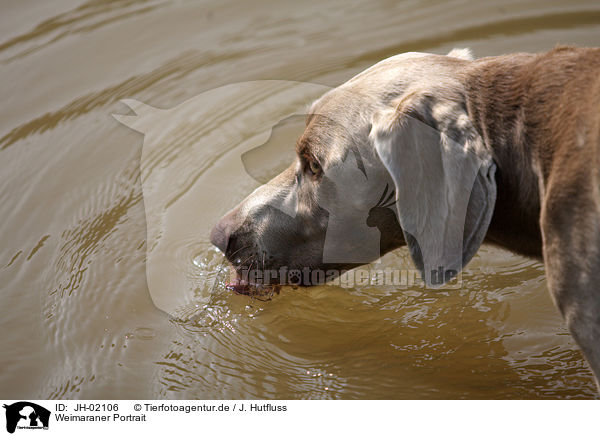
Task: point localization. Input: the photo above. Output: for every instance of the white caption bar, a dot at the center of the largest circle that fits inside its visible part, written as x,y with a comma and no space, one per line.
75,417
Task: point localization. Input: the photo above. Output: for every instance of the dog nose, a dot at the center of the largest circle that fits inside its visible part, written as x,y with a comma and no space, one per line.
219,235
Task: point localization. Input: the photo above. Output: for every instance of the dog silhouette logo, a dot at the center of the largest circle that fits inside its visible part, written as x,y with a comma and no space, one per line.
26,415
176,170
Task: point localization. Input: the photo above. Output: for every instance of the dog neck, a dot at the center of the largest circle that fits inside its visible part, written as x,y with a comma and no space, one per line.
496,94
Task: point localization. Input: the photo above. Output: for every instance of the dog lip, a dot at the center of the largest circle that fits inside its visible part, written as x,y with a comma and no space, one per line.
238,281
237,284
244,287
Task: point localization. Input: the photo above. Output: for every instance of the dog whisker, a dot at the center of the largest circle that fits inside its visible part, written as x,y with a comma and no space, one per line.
382,195
389,197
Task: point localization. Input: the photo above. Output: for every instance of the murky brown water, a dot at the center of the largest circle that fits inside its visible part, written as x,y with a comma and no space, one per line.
77,317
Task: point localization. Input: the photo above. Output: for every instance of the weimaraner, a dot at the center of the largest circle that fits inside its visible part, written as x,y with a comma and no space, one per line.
504,149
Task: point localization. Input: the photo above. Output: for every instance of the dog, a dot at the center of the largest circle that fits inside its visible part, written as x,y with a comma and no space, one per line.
502,149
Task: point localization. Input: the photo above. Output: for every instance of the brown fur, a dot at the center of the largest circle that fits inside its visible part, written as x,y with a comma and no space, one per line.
540,117
531,110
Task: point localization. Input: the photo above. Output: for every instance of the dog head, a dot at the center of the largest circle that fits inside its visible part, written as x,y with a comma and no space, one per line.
389,158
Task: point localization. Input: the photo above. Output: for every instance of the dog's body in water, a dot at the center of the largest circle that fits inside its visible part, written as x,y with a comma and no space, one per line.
441,153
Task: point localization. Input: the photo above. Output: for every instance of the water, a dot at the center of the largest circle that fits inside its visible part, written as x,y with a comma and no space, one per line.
77,317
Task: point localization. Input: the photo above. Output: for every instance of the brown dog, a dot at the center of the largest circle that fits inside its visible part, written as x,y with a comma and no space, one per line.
504,149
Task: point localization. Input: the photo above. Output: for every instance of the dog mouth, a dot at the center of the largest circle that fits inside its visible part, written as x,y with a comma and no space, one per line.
240,285
236,282
243,274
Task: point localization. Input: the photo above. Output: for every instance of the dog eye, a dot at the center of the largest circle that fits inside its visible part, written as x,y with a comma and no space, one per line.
314,167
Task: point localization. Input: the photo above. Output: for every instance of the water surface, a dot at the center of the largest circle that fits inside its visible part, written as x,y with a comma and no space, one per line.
77,317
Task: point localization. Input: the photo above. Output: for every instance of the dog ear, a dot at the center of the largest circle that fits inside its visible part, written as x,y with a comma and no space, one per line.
444,177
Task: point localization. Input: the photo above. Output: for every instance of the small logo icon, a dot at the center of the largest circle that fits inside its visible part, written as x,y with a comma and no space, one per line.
26,415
